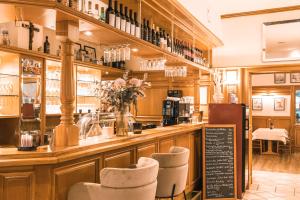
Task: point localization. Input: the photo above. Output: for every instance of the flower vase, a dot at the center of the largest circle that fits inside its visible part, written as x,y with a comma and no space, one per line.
121,124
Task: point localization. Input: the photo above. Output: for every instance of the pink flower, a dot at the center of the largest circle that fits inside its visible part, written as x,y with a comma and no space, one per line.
119,83
135,82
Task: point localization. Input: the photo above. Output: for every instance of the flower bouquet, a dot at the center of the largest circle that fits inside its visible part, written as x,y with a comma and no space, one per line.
117,96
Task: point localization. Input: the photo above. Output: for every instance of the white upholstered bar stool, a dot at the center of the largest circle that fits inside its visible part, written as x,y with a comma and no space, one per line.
173,171
121,183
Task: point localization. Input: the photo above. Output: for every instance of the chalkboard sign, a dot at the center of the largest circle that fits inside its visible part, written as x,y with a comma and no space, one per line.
219,162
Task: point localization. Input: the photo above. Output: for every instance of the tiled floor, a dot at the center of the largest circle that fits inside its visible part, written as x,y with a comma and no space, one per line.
274,186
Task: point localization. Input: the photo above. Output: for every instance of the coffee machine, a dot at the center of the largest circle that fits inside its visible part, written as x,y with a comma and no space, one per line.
186,109
171,108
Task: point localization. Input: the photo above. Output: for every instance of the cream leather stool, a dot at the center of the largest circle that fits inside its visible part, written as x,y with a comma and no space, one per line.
121,184
173,171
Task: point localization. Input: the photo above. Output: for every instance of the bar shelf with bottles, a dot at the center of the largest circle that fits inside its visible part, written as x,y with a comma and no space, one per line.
129,20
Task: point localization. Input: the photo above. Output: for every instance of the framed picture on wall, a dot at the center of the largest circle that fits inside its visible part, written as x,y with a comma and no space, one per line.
295,77
279,78
91,52
257,104
279,104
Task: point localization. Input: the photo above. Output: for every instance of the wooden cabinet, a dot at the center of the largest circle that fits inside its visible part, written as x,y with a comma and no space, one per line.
17,186
119,159
195,159
165,145
297,136
146,150
67,176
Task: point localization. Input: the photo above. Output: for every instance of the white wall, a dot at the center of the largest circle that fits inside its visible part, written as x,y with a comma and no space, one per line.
268,80
242,37
268,106
205,11
234,6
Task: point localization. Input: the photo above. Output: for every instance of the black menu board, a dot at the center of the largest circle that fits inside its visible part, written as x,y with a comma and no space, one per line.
219,162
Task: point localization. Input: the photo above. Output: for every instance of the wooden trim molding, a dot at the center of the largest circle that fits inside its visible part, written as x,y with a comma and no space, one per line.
260,12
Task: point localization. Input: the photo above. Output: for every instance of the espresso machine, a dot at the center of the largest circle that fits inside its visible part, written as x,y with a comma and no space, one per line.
171,108
186,109
170,112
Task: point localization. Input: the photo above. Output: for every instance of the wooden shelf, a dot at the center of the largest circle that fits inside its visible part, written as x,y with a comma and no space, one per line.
9,116
26,52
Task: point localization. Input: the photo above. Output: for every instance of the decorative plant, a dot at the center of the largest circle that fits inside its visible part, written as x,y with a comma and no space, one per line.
118,95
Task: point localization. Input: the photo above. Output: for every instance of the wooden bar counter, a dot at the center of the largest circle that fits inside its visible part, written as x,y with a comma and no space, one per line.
47,174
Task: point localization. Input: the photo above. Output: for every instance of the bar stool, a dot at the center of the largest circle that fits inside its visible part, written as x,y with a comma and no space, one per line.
116,183
173,171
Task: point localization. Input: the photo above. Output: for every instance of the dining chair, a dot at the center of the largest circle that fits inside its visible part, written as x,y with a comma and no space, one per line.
137,183
173,172
289,146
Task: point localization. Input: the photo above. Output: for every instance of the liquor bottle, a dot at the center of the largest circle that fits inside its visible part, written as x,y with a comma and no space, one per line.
137,26
128,23
161,38
165,40
145,31
97,13
132,23
46,46
149,39
123,18
118,17
157,37
153,34
89,11
102,15
169,48
110,14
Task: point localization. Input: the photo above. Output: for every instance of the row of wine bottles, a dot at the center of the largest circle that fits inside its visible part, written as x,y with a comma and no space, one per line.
125,19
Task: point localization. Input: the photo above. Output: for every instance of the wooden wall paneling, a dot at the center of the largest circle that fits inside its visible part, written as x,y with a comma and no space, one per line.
120,158
194,167
165,145
297,136
17,186
43,178
65,177
147,150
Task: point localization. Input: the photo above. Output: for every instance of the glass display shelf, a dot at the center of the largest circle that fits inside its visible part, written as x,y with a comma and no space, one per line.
9,85
88,80
53,71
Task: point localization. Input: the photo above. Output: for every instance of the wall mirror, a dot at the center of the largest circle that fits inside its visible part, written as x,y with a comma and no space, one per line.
281,41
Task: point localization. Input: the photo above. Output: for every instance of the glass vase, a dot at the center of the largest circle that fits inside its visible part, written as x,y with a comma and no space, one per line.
122,123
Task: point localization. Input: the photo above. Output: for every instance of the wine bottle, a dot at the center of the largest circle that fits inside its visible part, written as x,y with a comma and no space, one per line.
90,12
110,14
137,26
165,40
149,39
169,48
128,24
132,23
118,17
153,34
145,31
161,37
157,37
102,16
46,46
123,18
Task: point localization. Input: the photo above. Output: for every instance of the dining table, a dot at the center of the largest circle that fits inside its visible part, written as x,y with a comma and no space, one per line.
270,134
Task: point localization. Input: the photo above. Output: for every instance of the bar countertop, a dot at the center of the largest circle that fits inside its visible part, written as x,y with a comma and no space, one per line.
91,146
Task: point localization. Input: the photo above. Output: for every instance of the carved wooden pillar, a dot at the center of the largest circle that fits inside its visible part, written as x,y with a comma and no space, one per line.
197,75
67,133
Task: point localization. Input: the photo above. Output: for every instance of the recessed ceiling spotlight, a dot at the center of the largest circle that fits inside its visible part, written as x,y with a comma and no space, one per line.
134,50
88,33
106,73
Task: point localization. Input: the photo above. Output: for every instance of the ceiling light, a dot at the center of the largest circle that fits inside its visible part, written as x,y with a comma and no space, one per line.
295,54
88,33
134,50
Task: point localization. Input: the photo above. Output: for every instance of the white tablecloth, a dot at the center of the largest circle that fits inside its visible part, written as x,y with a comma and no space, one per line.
275,134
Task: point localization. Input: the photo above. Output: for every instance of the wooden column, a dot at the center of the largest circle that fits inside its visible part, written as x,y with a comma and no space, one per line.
67,133
197,75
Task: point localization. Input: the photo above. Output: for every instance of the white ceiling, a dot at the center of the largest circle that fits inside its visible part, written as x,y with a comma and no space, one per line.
235,6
